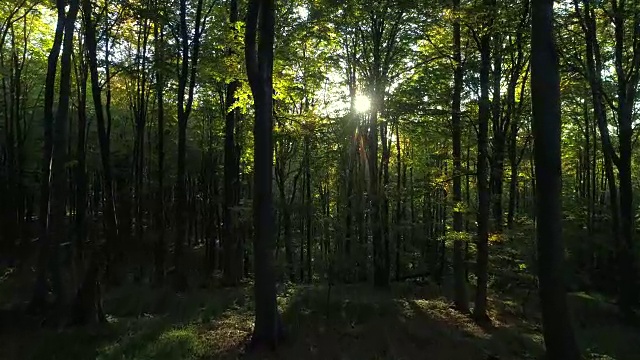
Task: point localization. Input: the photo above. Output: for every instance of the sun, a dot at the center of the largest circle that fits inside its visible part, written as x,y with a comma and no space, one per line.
303,12
362,103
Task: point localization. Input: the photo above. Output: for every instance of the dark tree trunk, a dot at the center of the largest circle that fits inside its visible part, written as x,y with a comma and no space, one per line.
482,258
140,116
497,139
233,252
622,208
160,246
186,87
58,183
399,206
87,304
460,296
38,300
513,174
627,81
545,93
282,158
308,206
81,157
268,328
379,277
467,225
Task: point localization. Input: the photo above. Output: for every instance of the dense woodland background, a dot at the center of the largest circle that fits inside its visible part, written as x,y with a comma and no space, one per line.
160,159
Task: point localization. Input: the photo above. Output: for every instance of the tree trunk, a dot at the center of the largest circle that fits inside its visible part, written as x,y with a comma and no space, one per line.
379,277
186,87
545,93
58,184
233,252
627,81
87,302
38,301
513,174
399,206
268,328
460,296
482,257
81,156
160,246
497,139
308,205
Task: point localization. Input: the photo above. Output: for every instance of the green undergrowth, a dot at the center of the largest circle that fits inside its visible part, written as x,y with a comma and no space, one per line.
408,321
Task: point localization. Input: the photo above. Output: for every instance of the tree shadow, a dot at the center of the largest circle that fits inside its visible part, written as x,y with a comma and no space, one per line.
322,322
357,322
143,324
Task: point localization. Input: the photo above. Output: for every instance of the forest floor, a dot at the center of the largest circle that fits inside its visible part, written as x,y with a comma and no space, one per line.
408,321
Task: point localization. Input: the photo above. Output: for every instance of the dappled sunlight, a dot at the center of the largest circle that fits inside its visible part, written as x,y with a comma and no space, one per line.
228,334
182,342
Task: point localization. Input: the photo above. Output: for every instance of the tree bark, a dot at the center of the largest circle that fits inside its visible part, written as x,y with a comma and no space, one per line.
482,241
186,87
59,156
308,206
160,246
87,303
545,93
233,252
81,156
268,330
38,301
460,296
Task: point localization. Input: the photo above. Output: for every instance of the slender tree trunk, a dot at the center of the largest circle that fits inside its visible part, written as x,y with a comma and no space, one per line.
87,304
399,206
379,277
232,269
482,258
186,87
513,174
160,246
460,297
179,276
81,156
627,82
308,205
496,168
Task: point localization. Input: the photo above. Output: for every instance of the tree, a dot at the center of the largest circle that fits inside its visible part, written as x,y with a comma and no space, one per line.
233,248
460,298
484,114
545,97
57,230
88,301
188,70
268,329
44,256
627,75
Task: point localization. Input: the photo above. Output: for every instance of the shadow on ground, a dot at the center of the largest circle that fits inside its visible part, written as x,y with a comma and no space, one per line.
143,324
408,321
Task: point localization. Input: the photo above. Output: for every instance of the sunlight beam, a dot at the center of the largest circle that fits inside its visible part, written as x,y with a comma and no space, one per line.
362,103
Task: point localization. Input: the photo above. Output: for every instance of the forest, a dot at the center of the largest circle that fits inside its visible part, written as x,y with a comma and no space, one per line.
321,179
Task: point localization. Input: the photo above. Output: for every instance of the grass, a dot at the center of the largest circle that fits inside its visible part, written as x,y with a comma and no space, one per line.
409,321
